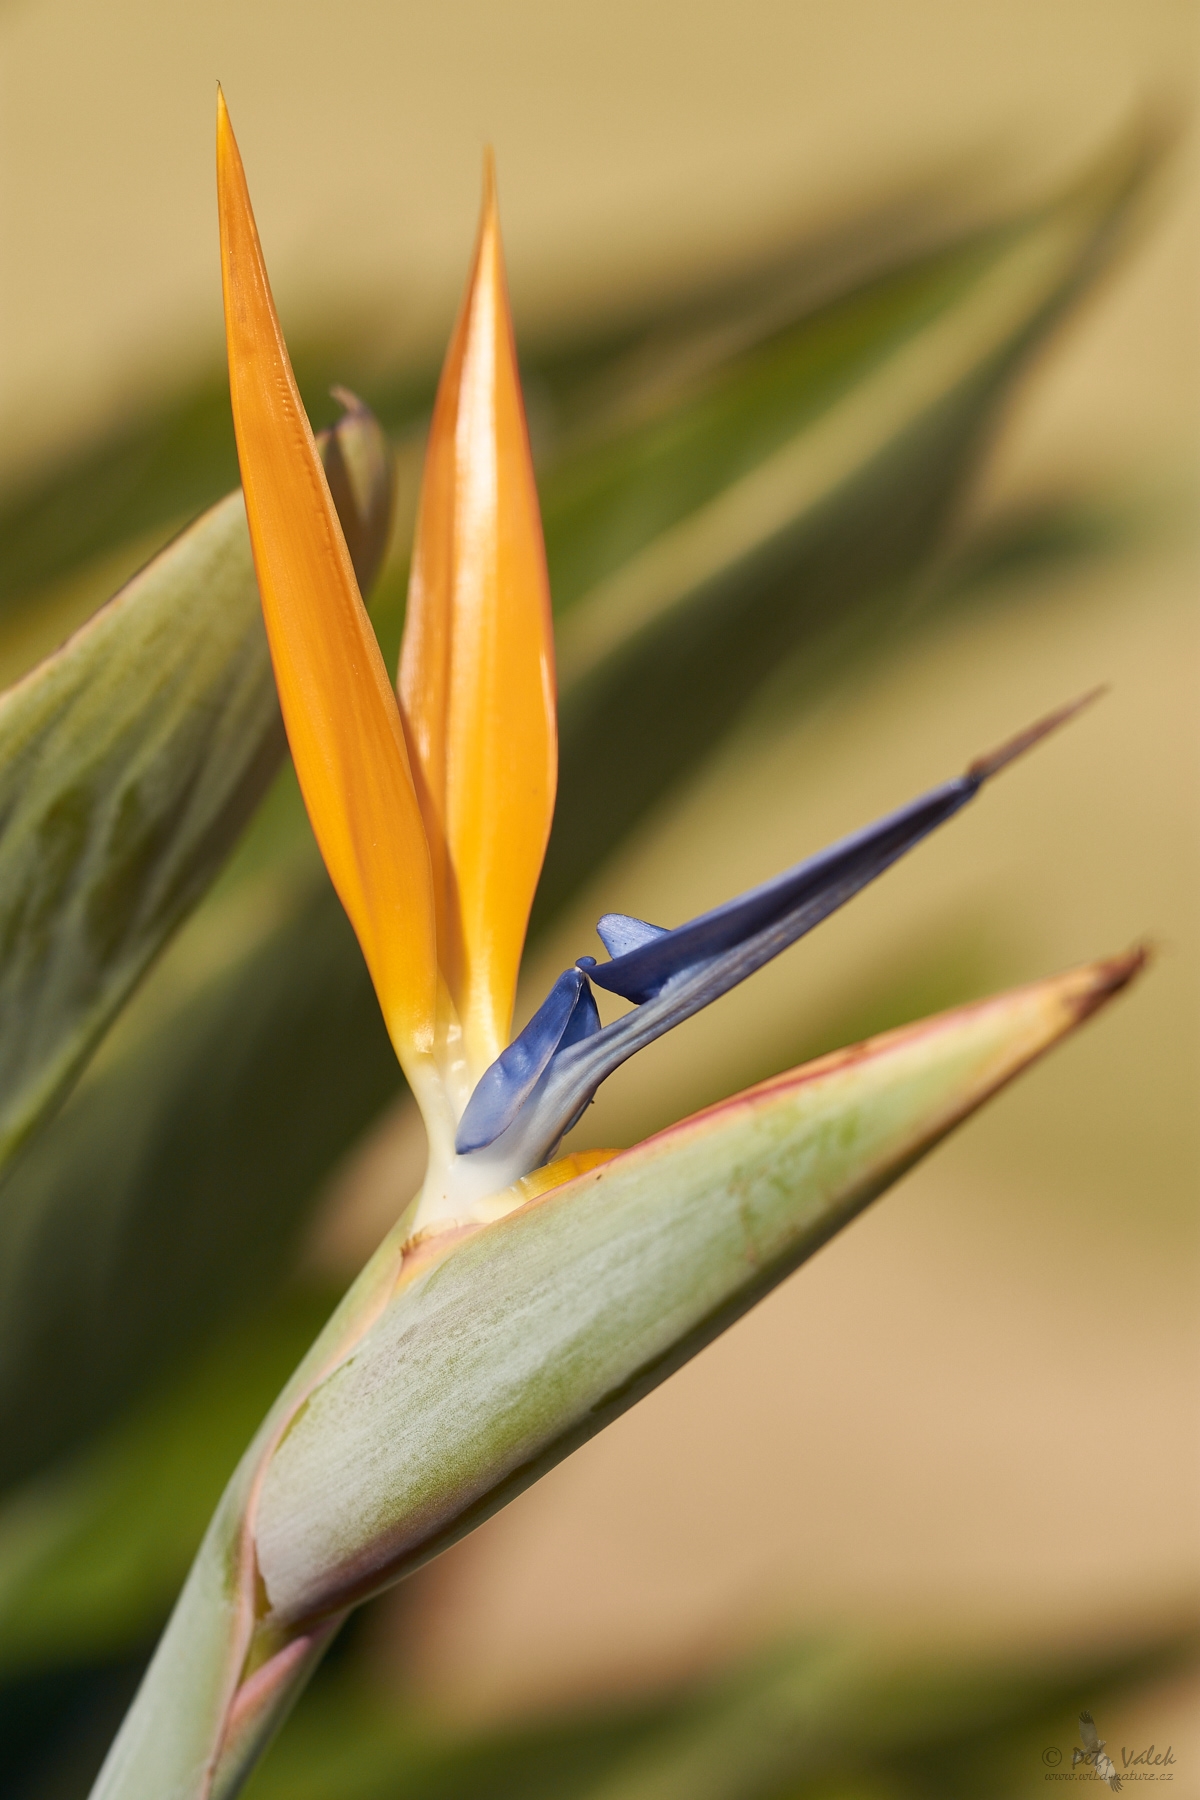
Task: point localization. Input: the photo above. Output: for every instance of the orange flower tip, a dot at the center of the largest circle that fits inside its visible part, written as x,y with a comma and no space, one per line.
984,767
227,150
476,666
338,707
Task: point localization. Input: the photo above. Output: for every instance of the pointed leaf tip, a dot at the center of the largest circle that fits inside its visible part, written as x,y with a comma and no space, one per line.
341,717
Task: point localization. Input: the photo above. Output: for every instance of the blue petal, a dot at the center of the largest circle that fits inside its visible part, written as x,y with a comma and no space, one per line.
566,1016
619,933
798,899
584,1021
672,974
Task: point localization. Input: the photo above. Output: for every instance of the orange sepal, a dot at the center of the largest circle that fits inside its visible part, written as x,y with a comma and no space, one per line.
477,668
342,721
552,1175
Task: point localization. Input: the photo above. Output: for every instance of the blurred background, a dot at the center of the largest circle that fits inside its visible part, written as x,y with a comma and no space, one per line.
965,1436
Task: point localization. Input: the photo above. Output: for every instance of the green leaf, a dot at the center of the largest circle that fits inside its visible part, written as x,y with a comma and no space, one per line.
821,1719
145,475
109,1236
458,1370
129,762
161,1199
142,477
92,1554
843,447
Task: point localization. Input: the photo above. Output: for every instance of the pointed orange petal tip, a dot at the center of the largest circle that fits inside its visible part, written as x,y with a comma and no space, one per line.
341,716
476,676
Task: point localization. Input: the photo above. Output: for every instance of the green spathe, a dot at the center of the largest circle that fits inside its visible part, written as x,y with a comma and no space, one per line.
458,1369
532,1333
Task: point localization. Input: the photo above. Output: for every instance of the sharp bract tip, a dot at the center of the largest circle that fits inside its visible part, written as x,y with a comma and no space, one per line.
1111,975
984,767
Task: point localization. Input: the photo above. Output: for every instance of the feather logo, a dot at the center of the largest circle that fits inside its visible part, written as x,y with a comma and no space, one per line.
1093,1752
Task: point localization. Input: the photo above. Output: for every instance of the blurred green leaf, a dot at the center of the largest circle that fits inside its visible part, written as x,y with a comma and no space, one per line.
835,1720
150,472
129,762
840,1721
143,477
91,1556
160,1199
136,478
807,541
110,1232
604,505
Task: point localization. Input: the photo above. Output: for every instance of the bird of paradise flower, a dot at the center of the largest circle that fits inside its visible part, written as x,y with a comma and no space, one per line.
526,1298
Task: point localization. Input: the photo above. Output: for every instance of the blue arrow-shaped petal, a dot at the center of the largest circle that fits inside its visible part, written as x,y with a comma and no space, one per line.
538,1087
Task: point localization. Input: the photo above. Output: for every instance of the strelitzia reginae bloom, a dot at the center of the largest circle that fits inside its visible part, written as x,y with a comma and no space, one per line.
522,1302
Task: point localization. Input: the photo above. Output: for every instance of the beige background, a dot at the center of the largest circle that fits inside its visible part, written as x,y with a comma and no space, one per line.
636,141
975,1414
